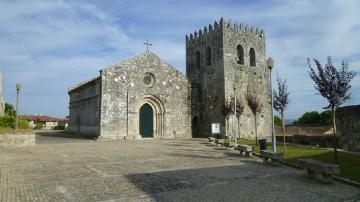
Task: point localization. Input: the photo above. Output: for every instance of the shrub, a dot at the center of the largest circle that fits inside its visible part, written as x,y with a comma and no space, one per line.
59,128
39,125
7,122
23,124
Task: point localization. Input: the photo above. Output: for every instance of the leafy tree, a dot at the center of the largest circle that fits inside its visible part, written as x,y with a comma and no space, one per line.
7,122
39,125
315,117
325,117
9,109
309,118
281,102
277,120
334,85
255,105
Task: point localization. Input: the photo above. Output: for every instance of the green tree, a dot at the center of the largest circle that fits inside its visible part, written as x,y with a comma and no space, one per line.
325,117
7,122
277,120
9,109
309,118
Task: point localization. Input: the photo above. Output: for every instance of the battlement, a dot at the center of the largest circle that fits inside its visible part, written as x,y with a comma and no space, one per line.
225,25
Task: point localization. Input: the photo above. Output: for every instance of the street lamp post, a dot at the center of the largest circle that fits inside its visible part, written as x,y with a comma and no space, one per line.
124,79
270,65
18,87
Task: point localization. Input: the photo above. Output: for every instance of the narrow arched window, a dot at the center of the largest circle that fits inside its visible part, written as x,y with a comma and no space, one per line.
240,54
208,56
252,57
197,59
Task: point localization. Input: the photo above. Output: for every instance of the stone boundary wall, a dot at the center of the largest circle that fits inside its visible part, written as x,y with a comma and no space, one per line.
17,139
348,127
305,130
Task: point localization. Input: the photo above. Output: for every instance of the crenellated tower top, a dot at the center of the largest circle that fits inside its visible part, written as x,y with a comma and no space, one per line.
224,25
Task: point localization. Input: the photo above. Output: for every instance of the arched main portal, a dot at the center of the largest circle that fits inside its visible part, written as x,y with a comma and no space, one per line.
150,117
146,121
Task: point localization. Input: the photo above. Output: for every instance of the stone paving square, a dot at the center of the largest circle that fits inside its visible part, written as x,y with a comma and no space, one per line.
68,169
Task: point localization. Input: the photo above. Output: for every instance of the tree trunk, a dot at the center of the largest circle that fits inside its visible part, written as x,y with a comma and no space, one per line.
334,138
256,137
239,127
283,130
227,128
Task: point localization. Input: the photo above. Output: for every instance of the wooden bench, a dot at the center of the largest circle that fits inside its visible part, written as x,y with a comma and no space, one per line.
245,148
318,169
219,142
274,156
211,139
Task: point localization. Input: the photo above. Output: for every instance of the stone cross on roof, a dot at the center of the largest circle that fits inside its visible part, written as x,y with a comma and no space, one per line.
147,43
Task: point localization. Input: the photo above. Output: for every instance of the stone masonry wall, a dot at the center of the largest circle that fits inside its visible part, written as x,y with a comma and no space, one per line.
145,79
207,80
245,77
17,139
213,84
348,127
84,108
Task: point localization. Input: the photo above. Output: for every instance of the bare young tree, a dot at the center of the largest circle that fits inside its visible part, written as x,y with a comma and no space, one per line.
281,101
334,85
227,112
239,111
255,105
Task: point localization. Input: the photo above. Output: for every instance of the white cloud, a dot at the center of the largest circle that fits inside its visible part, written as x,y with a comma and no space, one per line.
51,45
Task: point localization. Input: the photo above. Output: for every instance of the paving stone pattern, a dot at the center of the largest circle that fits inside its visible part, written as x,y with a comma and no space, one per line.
67,169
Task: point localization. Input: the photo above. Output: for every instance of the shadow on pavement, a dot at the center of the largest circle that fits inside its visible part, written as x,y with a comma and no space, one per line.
54,137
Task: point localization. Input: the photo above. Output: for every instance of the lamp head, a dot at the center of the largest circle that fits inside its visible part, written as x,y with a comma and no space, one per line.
270,63
18,86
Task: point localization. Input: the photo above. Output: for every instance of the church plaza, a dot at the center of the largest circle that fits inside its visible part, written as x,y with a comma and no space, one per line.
68,169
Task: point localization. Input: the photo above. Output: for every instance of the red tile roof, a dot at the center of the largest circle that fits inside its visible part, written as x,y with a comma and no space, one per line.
41,118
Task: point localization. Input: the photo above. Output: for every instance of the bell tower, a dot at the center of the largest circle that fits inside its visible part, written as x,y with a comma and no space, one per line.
224,60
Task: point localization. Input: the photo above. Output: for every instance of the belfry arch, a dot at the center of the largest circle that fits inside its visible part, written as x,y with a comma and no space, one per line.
158,112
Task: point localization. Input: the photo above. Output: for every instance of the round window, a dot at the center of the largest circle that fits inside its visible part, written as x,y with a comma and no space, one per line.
149,79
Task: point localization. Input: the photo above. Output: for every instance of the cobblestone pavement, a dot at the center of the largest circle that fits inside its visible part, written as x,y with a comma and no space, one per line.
67,169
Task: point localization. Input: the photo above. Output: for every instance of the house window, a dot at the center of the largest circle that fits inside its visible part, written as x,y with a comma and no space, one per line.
252,57
208,56
240,54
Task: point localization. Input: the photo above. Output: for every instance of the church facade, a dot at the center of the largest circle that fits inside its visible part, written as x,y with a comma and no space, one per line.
144,97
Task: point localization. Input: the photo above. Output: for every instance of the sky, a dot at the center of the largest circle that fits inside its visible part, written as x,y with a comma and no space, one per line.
49,46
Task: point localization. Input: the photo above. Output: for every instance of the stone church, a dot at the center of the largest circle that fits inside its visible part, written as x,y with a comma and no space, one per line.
144,97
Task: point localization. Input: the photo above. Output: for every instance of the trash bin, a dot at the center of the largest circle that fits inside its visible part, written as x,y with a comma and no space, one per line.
262,143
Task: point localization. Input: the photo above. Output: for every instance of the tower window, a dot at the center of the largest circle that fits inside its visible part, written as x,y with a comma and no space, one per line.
240,54
252,57
208,56
197,59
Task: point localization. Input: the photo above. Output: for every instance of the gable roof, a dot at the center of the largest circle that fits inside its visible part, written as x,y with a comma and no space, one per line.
147,55
82,83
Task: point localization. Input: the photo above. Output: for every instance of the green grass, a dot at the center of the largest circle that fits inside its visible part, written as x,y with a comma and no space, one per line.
349,163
